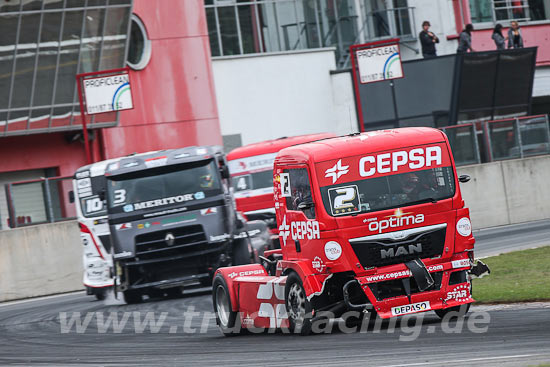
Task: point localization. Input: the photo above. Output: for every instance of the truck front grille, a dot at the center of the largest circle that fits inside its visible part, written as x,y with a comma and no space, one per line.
171,242
383,249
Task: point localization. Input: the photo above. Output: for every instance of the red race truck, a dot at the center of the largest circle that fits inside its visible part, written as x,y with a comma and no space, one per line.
371,222
251,169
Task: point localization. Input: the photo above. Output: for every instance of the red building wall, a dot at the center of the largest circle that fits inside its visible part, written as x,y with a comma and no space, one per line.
174,98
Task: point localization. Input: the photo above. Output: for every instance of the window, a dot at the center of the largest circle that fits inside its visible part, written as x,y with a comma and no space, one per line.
139,52
485,11
300,192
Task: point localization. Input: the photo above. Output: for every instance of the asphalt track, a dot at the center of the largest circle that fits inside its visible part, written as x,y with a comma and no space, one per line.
38,332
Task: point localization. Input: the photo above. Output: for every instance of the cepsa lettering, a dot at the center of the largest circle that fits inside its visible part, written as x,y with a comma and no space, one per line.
302,230
390,162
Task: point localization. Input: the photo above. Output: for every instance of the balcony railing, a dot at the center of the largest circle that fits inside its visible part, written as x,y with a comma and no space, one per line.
490,141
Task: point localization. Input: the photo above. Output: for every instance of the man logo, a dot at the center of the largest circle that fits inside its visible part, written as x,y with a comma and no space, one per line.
401,250
170,239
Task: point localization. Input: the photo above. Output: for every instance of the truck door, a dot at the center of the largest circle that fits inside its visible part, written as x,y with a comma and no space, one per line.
298,225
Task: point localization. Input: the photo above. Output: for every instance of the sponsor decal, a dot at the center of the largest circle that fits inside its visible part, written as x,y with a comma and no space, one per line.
128,208
459,293
199,195
181,155
122,254
156,162
164,201
336,171
382,164
170,239
169,211
201,151
410,308
123,226
398,219
257,163
247,321
246,273
399,274
209,211
274,292
464,227
83,183
141,226
113,166
83,174
460,263
221,237
318,265
333,250
299,230
178,220
131,164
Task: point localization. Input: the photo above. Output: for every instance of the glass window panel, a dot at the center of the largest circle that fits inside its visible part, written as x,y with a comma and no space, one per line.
212,31
96,2
91,43
53,4
249,30
120,2
481,11
32,5
26,52
47,59
504,140
28,202
69,57
75,3
228,29
116,29
10,7
7,42
538,10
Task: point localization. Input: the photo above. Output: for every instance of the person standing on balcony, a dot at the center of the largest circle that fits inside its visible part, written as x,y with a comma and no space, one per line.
428,41
465,40
515,40
499,39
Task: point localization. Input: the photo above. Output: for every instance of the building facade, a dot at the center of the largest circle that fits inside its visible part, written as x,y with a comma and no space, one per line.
44,44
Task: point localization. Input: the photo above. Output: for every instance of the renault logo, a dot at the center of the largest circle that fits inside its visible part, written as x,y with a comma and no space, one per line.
169,239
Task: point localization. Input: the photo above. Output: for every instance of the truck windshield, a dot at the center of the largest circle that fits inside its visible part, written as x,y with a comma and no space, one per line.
179,186
386,180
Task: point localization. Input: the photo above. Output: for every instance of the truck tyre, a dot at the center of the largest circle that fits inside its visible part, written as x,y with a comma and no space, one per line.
298,308
100,294
241,252
227,319
458,311
131,297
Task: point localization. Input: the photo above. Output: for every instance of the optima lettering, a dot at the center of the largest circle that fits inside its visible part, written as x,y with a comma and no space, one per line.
393,222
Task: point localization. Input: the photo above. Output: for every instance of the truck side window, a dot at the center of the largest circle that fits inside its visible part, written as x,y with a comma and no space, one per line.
300,191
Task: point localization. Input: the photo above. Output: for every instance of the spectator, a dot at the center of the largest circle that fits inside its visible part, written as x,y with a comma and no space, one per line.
515,40
465,40
498,37
428,41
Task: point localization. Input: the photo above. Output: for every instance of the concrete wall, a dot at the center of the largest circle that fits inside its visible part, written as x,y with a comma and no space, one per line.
40,260
507,192
267,96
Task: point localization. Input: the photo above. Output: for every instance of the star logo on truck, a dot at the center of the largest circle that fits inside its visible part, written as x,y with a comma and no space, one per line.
284,230
336,171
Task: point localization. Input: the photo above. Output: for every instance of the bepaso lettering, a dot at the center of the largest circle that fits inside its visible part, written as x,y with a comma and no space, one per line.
391,162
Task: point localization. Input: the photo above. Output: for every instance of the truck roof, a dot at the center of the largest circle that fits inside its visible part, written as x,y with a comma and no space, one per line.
364,143
141,161
273,146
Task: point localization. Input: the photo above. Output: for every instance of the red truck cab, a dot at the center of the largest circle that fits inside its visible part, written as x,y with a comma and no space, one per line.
251,169
371,222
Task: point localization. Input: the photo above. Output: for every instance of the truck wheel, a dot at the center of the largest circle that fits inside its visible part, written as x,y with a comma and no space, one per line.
298,307
100,294
227,319
241,253
131,297
459,311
